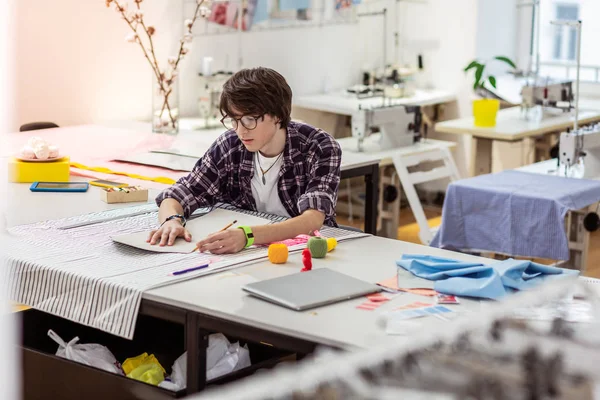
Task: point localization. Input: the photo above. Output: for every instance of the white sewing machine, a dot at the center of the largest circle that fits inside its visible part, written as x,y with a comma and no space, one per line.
399,125
548,93
210,94
579,152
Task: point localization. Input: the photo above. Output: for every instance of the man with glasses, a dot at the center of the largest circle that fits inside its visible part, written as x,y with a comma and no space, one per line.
263,162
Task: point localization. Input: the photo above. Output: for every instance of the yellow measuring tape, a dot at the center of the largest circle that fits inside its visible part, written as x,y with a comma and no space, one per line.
159,179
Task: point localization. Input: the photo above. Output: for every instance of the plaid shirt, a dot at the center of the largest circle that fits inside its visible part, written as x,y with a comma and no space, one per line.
309,177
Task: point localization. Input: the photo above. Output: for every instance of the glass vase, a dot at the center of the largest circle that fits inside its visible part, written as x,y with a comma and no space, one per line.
165,107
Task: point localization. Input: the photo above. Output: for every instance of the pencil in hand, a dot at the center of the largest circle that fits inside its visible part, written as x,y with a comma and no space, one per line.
224,229
229,226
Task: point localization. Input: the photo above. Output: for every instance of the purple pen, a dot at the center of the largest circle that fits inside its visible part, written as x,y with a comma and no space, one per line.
183,271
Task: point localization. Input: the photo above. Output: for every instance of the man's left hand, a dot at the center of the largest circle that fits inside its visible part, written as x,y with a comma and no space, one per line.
226,242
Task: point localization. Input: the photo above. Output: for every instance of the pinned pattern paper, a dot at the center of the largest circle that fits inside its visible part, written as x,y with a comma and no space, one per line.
375,300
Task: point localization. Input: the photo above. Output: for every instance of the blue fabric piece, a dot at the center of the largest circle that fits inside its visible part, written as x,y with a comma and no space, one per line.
474,279
513,212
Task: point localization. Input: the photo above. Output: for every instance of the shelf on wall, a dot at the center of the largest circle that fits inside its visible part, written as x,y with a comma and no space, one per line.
275,27
345,17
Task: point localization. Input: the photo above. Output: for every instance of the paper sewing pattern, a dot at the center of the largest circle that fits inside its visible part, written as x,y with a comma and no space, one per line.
375,300
390,283
199,228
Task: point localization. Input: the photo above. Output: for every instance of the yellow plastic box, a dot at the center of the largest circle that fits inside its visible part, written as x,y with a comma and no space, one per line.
32,171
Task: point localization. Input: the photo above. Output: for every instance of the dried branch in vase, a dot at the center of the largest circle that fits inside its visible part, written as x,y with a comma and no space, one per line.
165,78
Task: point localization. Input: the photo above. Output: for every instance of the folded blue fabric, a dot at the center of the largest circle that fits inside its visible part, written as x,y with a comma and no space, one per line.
475,279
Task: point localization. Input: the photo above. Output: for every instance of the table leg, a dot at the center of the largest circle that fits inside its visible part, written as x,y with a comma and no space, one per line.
371,199
481,156
529,156
511,155
196,342
389,212
578,238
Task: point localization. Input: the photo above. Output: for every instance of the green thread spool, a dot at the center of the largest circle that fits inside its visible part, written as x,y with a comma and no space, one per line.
317,246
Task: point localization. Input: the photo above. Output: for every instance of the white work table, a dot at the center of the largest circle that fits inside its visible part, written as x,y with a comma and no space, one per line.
512,125
217,301
372,150
511,143
547,167
341,325
342,103
331,110
188,142
552,167
22,206
579,237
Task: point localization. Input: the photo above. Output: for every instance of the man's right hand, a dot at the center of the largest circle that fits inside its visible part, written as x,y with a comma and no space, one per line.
168,232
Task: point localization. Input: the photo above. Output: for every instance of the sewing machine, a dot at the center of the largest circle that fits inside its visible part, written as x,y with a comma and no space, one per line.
399,125
210,97
548,93
580,150
392,82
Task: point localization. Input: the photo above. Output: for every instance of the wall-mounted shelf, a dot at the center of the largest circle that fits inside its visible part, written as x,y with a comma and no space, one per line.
274,26
318,20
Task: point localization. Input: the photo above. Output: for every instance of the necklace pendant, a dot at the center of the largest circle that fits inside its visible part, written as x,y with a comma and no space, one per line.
264,180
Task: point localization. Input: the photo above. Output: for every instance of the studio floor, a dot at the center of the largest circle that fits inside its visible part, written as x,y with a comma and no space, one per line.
409,232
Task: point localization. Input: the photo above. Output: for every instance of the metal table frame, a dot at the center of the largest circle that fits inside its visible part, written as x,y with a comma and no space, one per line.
198,326
371,173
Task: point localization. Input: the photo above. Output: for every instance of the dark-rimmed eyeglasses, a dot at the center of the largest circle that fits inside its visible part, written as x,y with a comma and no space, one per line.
246,121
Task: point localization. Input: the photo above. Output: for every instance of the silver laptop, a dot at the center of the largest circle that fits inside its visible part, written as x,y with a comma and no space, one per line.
310,289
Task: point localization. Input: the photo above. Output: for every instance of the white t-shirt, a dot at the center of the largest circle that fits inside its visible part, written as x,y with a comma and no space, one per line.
266,195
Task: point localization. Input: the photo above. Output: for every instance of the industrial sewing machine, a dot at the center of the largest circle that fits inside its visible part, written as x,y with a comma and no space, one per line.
548,93
391,82
399,126
579,152
210,94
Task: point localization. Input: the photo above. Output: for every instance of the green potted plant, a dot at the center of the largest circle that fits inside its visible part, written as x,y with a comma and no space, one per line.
486,109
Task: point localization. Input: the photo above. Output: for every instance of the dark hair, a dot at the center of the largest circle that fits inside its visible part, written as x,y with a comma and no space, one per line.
257,91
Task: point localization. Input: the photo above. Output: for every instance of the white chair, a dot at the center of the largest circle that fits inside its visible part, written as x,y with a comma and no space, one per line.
409,179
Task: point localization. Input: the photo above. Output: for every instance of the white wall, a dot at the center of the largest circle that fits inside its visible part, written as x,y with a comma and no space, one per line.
454,24
496,31
75,67
312,59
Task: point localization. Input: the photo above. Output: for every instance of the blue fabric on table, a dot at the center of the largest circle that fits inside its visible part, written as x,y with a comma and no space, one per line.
474,279
513,212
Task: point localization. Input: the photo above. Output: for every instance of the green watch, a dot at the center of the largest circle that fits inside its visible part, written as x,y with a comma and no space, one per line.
249,235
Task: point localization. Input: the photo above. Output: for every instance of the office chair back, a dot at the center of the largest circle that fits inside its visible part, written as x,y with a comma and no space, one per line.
34,126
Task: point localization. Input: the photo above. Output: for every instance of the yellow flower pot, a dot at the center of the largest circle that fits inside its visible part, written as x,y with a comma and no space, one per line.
485,111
